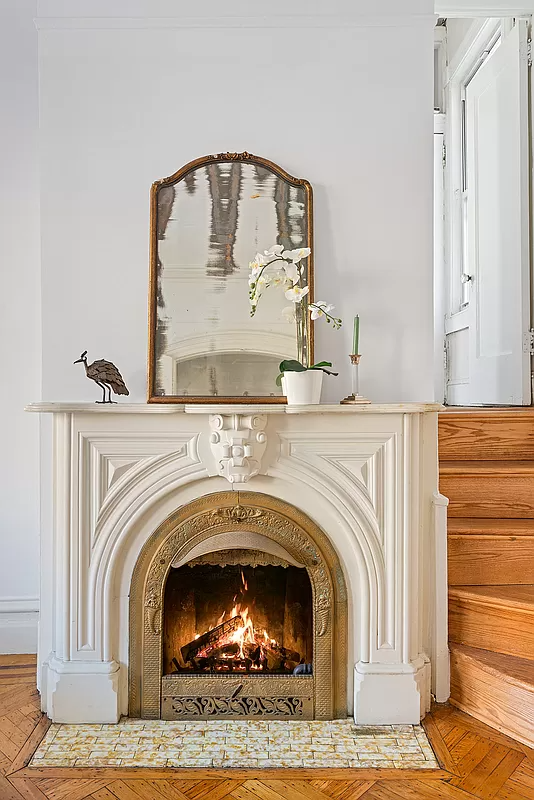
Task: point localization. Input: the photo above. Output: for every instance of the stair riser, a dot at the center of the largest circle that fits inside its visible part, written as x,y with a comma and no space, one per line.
501,630
475,437
490,698
499,496
490,561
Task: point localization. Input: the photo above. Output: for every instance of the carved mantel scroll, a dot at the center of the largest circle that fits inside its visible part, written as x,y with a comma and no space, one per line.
221,513
238,442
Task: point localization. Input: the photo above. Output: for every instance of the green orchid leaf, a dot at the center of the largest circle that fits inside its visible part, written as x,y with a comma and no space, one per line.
321,364
279,379
329,372
291,365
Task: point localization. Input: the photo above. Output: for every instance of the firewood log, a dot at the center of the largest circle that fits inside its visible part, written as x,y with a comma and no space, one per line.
190,650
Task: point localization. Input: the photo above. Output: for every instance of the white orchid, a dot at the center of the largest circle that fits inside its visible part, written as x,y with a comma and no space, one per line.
288,313
255,273
259,261
296,293
292,271
296,255
292,279
275,250
320,309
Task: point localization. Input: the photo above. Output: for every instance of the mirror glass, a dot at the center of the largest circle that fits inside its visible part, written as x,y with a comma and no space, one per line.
208,222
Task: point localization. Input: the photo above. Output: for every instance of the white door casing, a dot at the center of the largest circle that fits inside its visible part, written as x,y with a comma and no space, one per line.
488,341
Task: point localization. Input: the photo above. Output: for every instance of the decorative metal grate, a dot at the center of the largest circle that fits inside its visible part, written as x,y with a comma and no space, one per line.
236,707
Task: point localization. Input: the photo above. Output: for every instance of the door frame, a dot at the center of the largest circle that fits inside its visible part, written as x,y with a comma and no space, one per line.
486,25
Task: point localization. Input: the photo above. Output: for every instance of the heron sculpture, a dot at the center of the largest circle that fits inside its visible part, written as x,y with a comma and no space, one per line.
106,375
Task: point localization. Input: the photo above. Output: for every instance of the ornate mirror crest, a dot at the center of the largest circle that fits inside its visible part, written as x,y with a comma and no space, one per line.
208,220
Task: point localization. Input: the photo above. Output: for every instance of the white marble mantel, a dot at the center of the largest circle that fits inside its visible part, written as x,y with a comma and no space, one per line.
212,408
367,475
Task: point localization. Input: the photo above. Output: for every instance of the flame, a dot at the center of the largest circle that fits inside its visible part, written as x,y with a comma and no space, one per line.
244,634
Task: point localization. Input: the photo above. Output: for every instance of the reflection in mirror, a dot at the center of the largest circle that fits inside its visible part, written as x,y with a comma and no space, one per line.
208,221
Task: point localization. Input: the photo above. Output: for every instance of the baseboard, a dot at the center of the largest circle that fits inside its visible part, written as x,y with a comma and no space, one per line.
19,619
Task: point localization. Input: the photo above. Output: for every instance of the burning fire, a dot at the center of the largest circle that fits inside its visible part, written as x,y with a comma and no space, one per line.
233,644
251,644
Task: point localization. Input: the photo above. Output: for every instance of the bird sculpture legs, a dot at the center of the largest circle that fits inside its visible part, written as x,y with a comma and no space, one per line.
103,386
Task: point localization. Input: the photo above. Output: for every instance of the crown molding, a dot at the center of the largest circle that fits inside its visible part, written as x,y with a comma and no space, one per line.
450,8
236,22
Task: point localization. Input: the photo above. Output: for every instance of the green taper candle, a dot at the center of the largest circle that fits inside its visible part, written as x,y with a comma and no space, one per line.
356,339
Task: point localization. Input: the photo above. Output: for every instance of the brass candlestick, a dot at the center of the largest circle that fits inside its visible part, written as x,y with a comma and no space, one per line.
355,397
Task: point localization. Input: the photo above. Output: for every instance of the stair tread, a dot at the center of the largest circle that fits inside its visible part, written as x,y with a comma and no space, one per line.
486,467
493,412
496,689
513,596
476,526
512,668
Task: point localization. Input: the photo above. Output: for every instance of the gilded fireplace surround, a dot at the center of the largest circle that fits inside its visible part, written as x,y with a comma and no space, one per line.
228,512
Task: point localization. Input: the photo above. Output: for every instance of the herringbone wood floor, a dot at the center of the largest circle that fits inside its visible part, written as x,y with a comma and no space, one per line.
476,762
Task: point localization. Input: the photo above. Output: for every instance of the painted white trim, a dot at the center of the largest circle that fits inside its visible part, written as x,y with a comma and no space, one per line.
440,647
18,605
471,49
19,617
292,22
458,9
18,632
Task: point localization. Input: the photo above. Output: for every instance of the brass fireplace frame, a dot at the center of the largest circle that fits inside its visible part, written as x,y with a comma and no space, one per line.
226,512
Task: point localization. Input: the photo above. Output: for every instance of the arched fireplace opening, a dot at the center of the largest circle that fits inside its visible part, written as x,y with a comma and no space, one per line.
238,608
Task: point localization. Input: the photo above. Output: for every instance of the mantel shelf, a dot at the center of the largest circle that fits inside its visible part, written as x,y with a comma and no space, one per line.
168,408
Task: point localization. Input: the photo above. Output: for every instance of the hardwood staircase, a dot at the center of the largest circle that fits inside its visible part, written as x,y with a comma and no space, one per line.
487,472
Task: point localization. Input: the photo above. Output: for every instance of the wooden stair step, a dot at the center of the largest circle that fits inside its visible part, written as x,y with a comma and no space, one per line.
503,489
495,618
485,552
496,689
486,526
486,434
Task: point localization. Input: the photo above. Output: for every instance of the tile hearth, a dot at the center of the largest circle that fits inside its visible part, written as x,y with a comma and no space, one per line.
236,743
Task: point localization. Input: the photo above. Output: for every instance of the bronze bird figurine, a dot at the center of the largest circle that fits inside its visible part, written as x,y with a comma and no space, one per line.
106,375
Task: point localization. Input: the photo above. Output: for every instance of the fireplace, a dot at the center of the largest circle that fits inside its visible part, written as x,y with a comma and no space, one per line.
238,609
341,529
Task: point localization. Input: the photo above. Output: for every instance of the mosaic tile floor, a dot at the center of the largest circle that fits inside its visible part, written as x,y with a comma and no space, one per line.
236,743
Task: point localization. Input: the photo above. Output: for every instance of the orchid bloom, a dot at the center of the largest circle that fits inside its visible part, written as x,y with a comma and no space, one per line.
290,276
288,313
296,293
320,308
292,272
296,255
275,250
259,261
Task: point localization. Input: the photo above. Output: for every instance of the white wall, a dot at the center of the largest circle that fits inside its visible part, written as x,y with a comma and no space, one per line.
332,95
19,327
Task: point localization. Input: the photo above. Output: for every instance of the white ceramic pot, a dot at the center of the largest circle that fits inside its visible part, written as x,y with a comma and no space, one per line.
303,388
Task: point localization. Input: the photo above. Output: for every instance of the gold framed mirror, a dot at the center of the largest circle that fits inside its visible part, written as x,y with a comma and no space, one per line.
207,222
